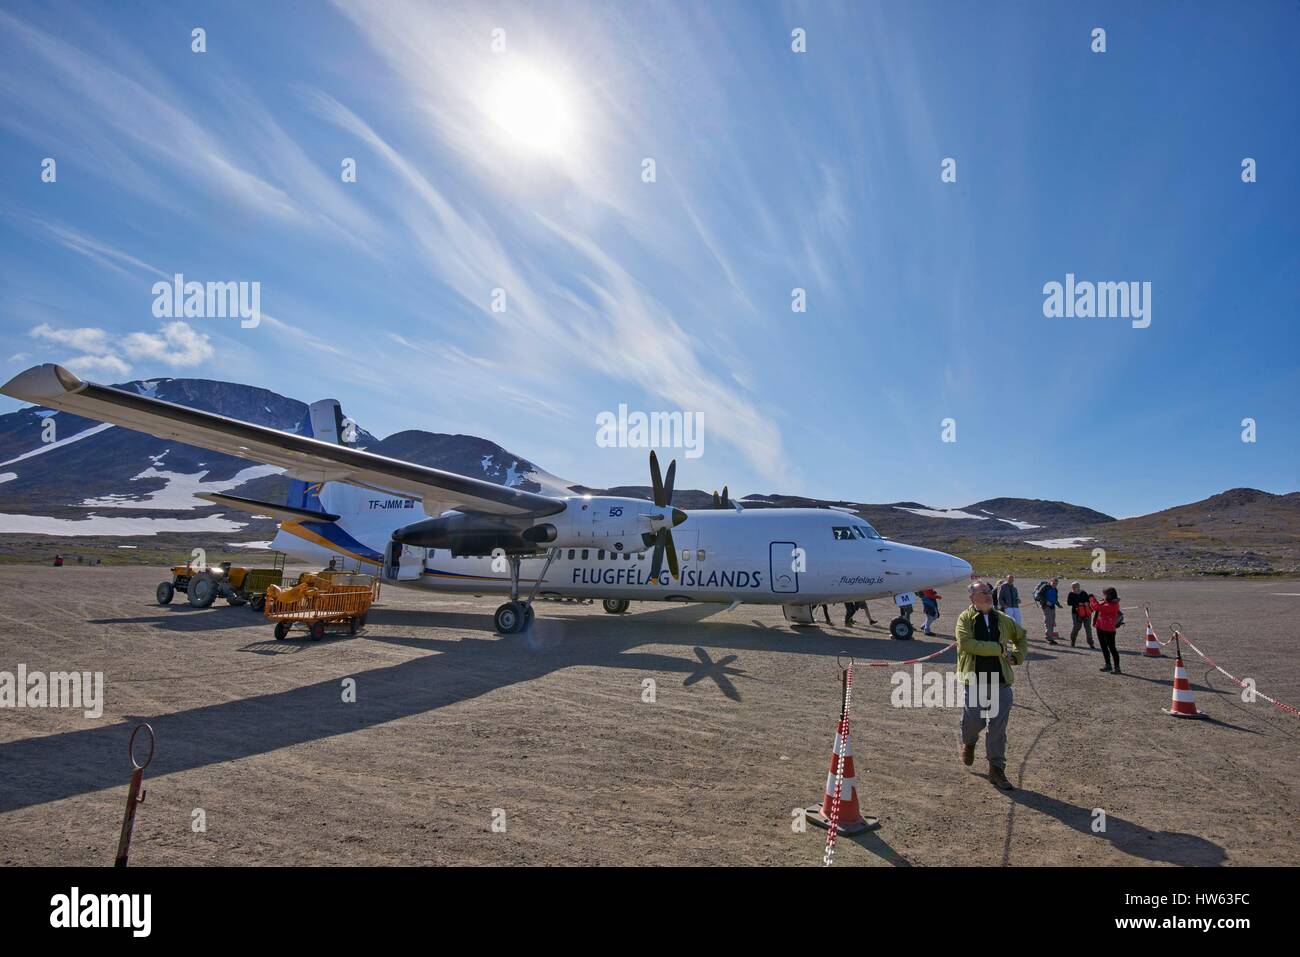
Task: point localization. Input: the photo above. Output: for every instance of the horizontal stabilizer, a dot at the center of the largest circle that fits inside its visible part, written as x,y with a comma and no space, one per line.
285,513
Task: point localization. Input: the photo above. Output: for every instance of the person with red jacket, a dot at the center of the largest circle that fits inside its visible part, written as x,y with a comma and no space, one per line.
1107,620
930,604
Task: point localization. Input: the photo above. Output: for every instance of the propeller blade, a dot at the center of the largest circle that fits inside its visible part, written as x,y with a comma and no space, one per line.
668,483
726,498
656,482
717,502
657,559
673,568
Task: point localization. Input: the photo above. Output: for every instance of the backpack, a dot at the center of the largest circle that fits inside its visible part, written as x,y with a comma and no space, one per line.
1038,592
1119,620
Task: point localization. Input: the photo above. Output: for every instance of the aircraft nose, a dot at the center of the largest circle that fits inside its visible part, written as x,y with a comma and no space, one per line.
961,570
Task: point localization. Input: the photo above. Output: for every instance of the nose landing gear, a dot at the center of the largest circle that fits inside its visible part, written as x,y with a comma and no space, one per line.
900,628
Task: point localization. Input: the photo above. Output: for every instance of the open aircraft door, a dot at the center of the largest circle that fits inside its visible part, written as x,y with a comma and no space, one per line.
403,563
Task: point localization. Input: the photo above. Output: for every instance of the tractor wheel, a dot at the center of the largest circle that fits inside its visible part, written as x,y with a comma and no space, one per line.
317,631
165,592
202,591
257,603
236,599
281,630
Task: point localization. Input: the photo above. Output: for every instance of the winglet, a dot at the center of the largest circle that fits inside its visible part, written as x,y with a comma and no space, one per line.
41,383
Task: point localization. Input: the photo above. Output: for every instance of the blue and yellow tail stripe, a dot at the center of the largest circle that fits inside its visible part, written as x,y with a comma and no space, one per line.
330,536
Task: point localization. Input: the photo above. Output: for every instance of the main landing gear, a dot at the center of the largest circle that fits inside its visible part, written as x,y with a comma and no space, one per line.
515,615
615,606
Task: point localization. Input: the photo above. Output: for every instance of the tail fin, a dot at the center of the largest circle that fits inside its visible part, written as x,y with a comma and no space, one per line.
324,421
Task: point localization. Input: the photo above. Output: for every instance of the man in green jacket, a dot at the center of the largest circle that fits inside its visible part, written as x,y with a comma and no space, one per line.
989,643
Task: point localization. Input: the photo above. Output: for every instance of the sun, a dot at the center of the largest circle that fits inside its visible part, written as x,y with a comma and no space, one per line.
532,110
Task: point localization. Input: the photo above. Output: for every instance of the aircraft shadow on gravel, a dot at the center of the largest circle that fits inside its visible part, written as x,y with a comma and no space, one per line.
57,766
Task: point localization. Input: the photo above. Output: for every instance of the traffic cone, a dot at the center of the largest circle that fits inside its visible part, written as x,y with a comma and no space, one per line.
851,820
1184,702
1152,649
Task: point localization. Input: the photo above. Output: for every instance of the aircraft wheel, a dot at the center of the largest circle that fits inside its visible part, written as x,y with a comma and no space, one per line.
528,617
202,591
615,606
165,592
509,618
900,628
281,630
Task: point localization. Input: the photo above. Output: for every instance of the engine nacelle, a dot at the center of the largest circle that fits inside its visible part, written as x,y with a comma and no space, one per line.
604,521
463,534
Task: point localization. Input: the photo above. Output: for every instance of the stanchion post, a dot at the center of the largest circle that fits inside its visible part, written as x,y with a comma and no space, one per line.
134,795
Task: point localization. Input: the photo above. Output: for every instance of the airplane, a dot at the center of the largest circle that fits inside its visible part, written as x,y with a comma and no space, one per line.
427,528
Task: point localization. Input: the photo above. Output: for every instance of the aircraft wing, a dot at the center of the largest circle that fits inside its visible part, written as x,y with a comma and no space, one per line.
305,458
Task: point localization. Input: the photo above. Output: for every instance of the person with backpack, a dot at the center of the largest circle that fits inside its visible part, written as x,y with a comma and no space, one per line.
1047,597
1080,613
930,605
1109,619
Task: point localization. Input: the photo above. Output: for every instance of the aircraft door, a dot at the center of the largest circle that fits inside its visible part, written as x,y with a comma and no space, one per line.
403,562
785,561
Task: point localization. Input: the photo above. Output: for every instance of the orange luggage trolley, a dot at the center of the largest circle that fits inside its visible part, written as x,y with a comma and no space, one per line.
317,601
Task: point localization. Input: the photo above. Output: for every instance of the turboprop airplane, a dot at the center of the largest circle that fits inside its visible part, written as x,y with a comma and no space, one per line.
425,527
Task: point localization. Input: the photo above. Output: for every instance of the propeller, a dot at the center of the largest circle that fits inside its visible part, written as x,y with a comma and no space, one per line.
661,534
723,500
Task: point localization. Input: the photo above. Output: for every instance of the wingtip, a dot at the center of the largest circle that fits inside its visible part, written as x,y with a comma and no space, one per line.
41,383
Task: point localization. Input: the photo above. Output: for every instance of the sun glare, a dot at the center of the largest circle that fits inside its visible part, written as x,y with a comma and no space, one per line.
532,110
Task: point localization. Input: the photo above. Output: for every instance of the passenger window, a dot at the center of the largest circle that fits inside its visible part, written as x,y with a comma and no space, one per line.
570,554
600,555
686,554
584,554
699,555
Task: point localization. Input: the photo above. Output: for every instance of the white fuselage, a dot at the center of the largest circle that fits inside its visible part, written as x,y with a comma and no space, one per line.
766,556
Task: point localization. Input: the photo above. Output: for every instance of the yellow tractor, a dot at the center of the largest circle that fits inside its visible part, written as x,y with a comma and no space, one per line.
236,584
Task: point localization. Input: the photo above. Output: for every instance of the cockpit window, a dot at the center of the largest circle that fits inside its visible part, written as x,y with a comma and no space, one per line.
848,532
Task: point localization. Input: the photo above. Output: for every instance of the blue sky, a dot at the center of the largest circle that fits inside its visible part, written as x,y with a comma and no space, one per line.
522,170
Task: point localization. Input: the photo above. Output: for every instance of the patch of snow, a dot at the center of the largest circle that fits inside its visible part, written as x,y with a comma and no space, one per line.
940,513
178,494
1023,526
128,546
59,444
100,525
7,477
244,545
1059,542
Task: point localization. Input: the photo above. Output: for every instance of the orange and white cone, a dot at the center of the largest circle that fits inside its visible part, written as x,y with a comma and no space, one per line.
1184,703
851,820
1152,649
